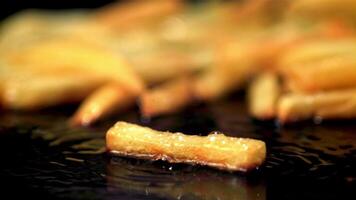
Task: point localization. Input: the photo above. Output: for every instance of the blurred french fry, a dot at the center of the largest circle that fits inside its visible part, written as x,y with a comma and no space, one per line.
22,28
36,92
214,84
317,50
154,69
232,68
260,11
215,150
263,95
125,15
329,74
324,9
71,55
106,100
31,26
339,104
273,43
168,98
319,65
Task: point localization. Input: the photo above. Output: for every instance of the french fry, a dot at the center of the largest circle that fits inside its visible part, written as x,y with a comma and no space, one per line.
218,81
168,98
269,49
263,94
324,9
260,11
339,104
153,69
320,65
212,85
316,50
31,26
214,150
232,66
36,92
125,15
71,55
329,74
104,101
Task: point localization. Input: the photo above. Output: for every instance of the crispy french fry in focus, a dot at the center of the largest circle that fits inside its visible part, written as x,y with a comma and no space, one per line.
340,104
170,97
70,55
215,150
105,100
38,92
263,94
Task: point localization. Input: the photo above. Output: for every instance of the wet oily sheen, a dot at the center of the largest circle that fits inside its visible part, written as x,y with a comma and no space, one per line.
215,150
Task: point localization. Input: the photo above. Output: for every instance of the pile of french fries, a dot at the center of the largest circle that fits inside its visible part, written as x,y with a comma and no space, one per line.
297,58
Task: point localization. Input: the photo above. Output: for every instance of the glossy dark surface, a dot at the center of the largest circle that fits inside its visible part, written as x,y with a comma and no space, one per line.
42,158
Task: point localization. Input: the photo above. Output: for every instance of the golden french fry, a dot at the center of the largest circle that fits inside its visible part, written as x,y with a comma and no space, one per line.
71,55
215,150
220,80
263,94
231,68
260,11
35,92
104,101
328,74
324,9
168,98
125,15
153,69
312,51
320,65
339,104
212,85
31,26
269,49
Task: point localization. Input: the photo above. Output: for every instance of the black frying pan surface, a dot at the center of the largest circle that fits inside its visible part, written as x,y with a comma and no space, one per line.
41,157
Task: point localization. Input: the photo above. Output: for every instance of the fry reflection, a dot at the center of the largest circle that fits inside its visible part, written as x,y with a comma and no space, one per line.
177,181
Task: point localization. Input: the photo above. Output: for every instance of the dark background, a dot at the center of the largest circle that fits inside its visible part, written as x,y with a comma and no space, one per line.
8,7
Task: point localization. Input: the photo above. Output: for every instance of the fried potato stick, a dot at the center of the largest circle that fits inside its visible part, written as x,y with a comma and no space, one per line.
125,15
29,92
168,98
108,99
324,9
69,54
320,65
214,150
317,50
263,94
325,75
231,68
339,104
153,69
